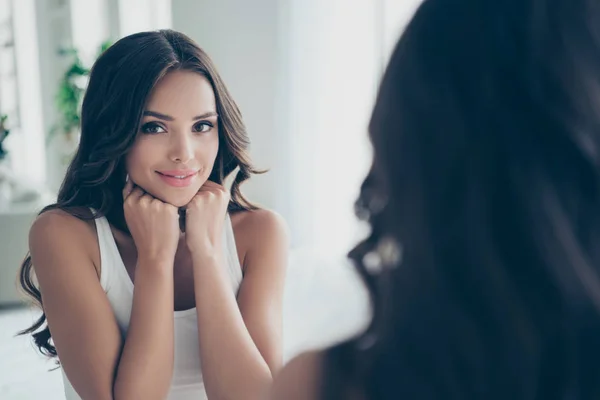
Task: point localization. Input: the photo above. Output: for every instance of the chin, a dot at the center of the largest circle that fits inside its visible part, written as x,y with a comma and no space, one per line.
175,197
181,200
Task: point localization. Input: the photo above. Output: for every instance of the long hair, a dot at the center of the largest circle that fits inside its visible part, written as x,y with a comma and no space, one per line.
484,202
120,83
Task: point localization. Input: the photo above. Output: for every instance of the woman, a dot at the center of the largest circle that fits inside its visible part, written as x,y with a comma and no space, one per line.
136,308
484,196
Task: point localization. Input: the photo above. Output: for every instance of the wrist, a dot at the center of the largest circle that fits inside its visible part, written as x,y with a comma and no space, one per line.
206,255
156,263
204,248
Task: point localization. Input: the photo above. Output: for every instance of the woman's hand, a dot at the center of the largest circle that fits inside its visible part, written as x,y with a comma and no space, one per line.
153,224
204,219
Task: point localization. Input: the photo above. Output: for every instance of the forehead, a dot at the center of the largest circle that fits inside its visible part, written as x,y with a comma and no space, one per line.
180,93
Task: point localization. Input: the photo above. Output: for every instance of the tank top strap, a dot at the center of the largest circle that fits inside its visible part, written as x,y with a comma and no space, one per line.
233,260
107,262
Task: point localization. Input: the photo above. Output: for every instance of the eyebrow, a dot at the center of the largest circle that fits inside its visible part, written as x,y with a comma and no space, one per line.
165,117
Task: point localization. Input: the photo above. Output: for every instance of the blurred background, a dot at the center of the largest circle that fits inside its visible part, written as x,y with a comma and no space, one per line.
305,75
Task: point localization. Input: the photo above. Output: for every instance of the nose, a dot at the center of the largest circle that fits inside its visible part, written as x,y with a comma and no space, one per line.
182,150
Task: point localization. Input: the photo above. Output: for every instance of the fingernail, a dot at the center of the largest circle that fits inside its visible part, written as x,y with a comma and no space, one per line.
126,178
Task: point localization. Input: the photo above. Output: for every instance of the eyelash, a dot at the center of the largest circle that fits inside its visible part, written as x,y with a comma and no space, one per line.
145,127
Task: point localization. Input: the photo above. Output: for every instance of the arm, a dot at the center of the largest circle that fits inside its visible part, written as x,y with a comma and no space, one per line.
146,365
240,342
82,323
299,379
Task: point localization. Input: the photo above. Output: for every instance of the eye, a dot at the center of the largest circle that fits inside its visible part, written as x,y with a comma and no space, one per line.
152,128
203,127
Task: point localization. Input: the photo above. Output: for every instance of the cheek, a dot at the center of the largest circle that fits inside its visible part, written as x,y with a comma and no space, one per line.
209,152
131,161
139,158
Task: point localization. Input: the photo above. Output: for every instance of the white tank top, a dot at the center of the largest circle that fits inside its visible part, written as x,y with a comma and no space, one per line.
187,382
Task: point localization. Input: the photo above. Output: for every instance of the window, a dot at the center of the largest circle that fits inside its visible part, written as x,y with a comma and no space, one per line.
20,89
9,103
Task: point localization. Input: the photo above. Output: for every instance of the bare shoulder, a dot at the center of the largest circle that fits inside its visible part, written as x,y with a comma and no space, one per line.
261,222
259,231
58,226
58,230
300,379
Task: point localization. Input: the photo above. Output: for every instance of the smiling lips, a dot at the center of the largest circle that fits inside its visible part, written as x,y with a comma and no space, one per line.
178,178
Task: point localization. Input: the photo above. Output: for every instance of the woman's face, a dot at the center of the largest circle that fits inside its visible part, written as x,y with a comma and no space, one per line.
175,150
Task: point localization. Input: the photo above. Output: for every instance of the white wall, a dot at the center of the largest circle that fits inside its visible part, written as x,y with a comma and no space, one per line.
143,15
335,66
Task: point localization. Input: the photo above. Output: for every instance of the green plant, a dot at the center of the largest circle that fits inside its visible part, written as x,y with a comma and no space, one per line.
4,132
70,92
69,96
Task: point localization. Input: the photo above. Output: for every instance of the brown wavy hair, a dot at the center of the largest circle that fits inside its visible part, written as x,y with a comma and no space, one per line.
120,83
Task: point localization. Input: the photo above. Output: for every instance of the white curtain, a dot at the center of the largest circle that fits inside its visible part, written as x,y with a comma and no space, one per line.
27,152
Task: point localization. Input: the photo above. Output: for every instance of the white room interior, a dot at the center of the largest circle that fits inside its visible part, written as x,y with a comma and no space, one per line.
305,75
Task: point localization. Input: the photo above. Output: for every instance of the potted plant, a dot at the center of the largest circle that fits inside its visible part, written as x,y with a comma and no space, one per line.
69,96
